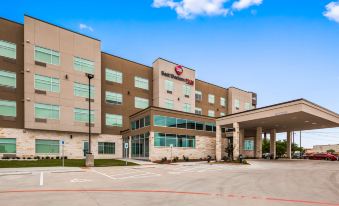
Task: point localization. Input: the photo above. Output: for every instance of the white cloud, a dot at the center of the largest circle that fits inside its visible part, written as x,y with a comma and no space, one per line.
244,4
84,26
332,11
189,9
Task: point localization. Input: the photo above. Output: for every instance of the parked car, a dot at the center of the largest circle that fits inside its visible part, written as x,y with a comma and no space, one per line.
323,156
267,156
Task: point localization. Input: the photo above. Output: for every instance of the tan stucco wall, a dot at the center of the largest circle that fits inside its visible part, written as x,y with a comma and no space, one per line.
25,140
159,92
70,45
324,148
204,146
242,96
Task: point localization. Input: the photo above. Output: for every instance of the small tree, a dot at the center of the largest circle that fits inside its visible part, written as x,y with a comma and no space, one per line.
330,151
265,146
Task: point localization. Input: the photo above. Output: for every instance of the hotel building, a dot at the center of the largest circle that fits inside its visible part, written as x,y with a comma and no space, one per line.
160,110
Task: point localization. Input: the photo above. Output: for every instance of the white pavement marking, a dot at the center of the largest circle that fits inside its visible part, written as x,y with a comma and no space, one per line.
198,169
103,174
41,178
80,180
128,174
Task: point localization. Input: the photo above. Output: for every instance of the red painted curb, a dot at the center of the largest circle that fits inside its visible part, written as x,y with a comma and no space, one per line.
175,192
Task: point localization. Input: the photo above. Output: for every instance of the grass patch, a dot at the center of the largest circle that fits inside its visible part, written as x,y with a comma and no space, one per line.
58,163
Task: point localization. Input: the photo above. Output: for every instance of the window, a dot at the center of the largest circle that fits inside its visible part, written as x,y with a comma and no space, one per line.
248,144
211,113
190,124
7,79
7,49
113,120
46,111
140,103
47,146
171,140
7,108
159,121
141,83
222,101
237,103
210,127
81,90
47,56
113,98
140,123
222,114
169,104
171,122
166,140
169,85
159,139
187,107
83,65
247,106
199,126
186,90
106,148
211,98
198,95
81,115
113,76
7,145
45,83
198,111
182,123
147,121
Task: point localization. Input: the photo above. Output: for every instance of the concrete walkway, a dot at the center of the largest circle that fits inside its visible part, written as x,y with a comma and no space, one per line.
140,162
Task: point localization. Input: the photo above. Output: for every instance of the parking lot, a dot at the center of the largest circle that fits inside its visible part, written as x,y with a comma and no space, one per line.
295,182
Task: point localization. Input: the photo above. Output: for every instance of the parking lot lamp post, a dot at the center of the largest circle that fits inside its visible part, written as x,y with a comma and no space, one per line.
89,155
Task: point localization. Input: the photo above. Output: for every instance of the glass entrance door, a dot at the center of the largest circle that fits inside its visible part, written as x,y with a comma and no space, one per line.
140,146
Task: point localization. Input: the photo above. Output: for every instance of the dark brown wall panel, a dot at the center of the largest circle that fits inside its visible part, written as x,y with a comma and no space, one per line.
127,89
14,33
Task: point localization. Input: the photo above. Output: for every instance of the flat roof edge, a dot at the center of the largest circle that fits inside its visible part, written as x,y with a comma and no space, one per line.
109,54
62,27
15,22
279,104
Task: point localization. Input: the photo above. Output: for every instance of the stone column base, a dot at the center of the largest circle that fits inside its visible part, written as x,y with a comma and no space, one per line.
89,160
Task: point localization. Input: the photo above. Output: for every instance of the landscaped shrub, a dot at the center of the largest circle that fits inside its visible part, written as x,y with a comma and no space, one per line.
47,158
65,157
29,158
164,159
57,157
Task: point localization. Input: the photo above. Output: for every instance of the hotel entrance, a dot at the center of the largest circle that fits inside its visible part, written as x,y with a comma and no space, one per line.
140,146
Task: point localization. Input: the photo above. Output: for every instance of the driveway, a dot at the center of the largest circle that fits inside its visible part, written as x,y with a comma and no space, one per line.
300,182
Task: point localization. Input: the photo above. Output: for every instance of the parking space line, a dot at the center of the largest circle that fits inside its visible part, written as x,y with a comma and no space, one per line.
41,178
103,174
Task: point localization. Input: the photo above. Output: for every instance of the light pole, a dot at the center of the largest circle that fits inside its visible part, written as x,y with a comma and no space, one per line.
89,155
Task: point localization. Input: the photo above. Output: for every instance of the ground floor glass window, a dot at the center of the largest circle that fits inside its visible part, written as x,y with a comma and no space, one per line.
7,145
166,140
47,146
248,145
106,148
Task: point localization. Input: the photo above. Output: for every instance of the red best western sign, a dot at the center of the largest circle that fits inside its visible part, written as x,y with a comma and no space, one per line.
178,70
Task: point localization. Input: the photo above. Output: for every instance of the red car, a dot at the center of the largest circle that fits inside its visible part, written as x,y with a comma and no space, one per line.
323,156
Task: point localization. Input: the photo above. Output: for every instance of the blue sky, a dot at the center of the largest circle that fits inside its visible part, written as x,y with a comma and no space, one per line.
280,49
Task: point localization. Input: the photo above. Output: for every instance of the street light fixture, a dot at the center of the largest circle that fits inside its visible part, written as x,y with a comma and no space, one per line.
89,155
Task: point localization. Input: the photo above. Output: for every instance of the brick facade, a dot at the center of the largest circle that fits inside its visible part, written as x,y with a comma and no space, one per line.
25,143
